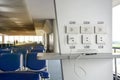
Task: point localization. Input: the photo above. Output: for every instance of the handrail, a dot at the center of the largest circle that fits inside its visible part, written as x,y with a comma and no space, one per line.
115,48
54,56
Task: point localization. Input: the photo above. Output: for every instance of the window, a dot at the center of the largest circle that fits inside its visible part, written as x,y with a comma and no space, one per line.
116,29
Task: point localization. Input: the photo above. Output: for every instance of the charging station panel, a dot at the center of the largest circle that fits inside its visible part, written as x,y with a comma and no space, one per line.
84,26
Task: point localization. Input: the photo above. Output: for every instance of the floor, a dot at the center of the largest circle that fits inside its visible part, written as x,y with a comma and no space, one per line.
54,68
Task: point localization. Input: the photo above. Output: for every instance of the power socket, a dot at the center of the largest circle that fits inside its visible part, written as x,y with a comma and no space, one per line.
100,39
86,39
72,39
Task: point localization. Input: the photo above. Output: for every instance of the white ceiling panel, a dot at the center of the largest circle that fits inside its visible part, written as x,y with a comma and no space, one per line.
41,9
115,2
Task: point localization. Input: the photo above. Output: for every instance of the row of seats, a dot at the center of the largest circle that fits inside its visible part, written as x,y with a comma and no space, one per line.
26,50
23,50
5,51
11,64
19,76
23,65
14,49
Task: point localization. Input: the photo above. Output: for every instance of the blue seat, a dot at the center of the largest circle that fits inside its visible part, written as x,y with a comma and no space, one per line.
5,51
37,66
11,65
19,76
39,46
22,51
9,62
33,63
37,50
44,74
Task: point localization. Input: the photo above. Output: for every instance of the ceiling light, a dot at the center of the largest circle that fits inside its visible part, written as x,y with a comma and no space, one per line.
6,9
21,25
18,22
15,19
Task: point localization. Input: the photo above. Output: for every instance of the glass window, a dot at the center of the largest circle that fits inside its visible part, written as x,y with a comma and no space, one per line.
0,39
11,39
21,39
26,38
116,24
6,38
116,29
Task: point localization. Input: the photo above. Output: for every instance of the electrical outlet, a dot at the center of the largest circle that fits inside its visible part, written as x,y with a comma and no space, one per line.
100,39
86,39
72,39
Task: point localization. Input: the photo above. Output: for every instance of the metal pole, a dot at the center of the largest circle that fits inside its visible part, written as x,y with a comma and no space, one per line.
114,50
115,60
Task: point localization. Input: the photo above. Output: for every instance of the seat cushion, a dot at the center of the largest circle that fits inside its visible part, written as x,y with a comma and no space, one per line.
43,74
33,63
19,76
9,62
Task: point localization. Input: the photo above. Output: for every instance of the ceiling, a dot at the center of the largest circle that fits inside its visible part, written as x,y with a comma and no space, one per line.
115,2
14,18
41,9
19,17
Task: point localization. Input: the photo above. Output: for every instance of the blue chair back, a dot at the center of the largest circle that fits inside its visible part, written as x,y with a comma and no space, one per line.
33,63
23,52
9,62
5,51
37,50
38,46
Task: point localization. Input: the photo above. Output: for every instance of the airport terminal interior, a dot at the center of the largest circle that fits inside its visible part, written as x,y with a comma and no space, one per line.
59,40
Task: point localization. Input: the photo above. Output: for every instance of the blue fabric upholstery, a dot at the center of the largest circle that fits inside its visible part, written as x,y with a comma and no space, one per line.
37,50
9,62
33,63
5,50
44,74
38,46
22,51
19,76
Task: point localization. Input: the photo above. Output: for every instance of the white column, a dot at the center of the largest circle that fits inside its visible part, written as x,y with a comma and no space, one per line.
56,42
3,39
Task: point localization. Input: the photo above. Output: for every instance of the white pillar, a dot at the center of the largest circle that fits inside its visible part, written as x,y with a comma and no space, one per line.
56,42
3,40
